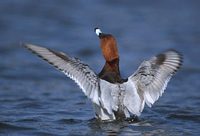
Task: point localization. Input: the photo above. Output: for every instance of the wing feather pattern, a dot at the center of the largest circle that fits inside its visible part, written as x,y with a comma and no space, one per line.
73,68
152,76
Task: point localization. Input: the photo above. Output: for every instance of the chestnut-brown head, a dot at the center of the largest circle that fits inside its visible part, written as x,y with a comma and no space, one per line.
108,45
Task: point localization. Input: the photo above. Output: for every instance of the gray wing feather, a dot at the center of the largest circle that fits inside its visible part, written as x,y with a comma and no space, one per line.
132,100
152,76
73,68
107,96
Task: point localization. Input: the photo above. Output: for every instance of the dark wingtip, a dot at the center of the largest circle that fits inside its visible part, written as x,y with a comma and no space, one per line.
179,53
181,58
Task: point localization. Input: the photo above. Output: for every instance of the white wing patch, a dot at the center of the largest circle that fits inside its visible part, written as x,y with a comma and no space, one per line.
132,101
73,68
107,98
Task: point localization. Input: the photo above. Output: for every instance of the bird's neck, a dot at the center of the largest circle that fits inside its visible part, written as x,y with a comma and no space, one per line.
110,53
110,71
109,48
112,66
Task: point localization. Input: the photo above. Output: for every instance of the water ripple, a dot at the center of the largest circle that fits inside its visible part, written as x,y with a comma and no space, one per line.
11,127
35,99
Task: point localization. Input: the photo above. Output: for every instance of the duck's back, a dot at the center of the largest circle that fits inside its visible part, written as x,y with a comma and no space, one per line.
118,101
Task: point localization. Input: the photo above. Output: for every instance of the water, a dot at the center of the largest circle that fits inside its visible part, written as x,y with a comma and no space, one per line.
35,99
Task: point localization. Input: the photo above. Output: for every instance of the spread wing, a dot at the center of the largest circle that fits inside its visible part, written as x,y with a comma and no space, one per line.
152,76
73,68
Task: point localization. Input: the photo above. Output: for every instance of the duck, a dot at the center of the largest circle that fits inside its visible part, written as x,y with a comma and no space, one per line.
113,97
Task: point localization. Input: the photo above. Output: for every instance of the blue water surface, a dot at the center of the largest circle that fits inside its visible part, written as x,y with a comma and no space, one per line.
36,99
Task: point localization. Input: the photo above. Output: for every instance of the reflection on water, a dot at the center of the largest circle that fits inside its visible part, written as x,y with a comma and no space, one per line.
35,99
126,128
